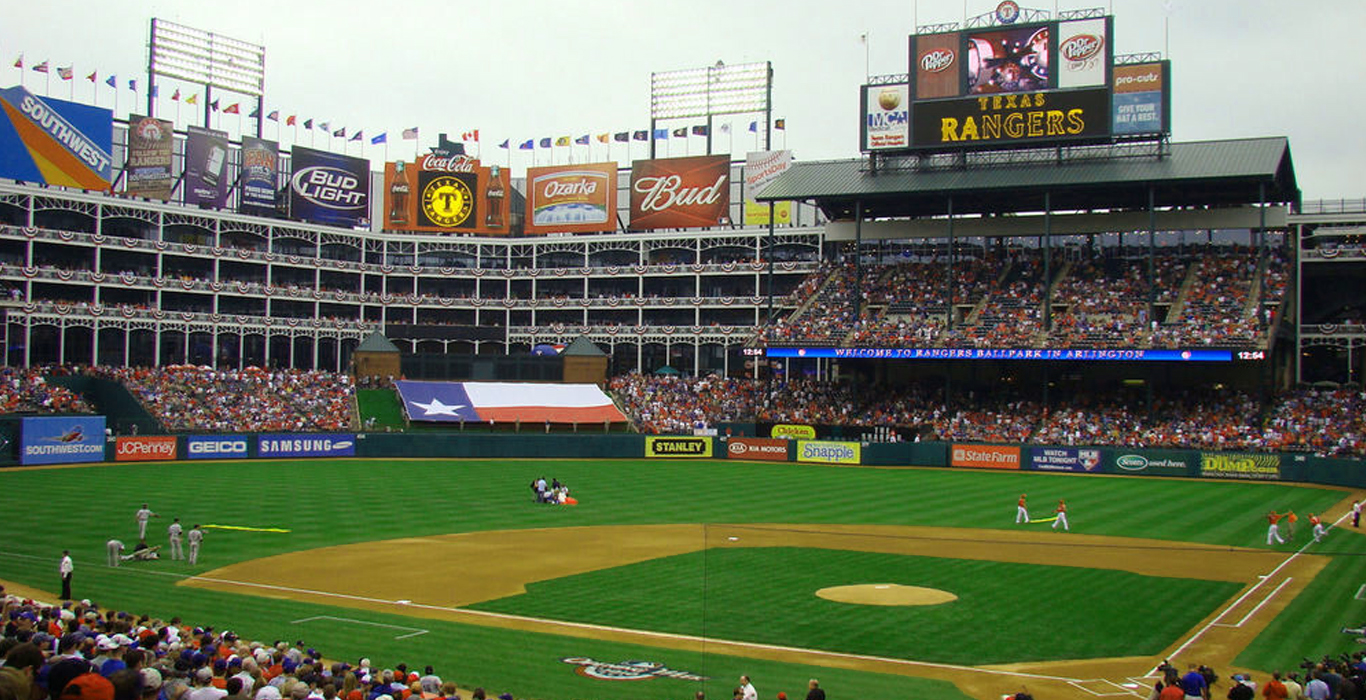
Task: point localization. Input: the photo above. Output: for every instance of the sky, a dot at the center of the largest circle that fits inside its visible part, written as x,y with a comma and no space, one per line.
519,70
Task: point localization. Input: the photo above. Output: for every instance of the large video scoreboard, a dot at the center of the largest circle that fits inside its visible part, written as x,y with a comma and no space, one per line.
1013,85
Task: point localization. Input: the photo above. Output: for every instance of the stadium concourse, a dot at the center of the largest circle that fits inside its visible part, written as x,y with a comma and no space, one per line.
1323,421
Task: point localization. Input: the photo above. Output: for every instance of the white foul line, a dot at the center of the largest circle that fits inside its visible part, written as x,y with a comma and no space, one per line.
419,630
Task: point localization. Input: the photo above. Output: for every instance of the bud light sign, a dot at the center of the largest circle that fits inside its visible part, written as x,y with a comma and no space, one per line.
216,446
62,440
329,188
306,446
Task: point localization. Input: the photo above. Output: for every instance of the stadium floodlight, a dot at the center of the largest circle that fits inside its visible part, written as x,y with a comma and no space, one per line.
707,92
206,58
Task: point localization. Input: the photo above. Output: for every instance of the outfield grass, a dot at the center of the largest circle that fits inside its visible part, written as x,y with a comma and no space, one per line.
328,502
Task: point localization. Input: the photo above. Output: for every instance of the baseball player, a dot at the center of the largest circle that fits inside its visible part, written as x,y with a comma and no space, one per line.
1356,513
1273,530
1290,520
1062,516
143,515
66,567
195,536
1021,512
114,549
1318,526
173,532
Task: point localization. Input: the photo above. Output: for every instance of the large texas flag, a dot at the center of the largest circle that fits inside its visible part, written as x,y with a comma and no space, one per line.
506,402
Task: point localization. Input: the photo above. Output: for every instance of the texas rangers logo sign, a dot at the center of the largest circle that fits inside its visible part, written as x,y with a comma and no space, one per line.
1007,12
627,670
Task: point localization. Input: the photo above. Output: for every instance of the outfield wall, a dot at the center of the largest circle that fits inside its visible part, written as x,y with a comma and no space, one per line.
77,439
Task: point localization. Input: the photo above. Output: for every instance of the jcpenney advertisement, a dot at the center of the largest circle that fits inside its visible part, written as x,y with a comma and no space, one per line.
60,440
329,188
206,167
305,445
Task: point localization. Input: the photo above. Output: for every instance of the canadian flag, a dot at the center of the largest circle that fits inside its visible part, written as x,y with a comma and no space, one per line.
470,136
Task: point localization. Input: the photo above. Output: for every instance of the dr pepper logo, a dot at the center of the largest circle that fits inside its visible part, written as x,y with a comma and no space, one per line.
1081,47
936,61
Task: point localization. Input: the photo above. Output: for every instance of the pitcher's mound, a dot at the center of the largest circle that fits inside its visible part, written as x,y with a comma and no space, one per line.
886,594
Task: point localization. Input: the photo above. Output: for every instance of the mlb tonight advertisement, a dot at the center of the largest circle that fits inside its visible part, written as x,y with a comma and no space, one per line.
329,188
61,440
55,142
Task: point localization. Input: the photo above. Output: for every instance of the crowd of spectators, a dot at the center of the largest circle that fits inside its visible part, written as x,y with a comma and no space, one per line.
1328,422
79,651
27,390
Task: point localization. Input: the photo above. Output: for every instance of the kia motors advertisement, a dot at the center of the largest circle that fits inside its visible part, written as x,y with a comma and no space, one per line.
305,445
216,447
680,192
329,188
572,198
144,449
61,440
766,449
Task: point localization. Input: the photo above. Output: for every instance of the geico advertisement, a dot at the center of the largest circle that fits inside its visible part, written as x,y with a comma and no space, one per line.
677,447
828,452
1009,118
144,449
216,446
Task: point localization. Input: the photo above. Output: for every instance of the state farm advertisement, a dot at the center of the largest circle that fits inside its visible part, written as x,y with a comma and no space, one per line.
572,198
766,449
680,192
985,456
446,194
144,449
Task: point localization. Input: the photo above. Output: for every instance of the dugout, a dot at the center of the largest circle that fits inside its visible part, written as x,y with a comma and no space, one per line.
1037,198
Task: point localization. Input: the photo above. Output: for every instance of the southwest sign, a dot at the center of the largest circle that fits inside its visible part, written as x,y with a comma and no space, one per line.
55,142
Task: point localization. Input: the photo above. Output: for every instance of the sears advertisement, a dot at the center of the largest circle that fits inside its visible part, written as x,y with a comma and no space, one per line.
825,452
1150,462
1064,459
680,192
329,188
149,157
1140,99
1013,119
55,142
206,167
572,198
260,173
305,445
886,117
61,440
216,447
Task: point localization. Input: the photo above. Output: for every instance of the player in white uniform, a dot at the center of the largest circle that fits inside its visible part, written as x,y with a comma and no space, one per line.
195,536
1062,516
174,533
1021,513
144,513
114,548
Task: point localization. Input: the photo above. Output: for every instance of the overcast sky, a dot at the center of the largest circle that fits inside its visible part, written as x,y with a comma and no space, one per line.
522,70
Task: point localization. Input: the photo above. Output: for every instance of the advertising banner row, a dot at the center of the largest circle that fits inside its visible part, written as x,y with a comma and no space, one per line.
1097,460
76,439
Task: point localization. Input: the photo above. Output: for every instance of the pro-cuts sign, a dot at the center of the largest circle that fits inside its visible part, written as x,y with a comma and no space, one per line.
680,192
329,188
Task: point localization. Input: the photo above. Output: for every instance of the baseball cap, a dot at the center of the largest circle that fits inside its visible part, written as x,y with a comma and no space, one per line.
88,686
151,679
268,692
122,640
106,644
204,674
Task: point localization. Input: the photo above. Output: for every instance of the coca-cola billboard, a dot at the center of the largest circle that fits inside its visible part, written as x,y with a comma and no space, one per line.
445,193
680,192
571,198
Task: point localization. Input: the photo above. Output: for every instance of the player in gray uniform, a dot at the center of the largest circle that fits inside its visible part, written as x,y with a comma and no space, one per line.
114,548
144,514
174,533
195,536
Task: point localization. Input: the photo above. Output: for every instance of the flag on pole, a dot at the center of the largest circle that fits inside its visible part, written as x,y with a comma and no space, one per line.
725,128
112,81
582,140
699,130
308,124
681,132
754,127
289,121
340,133
255,113
661,134
232,108
562,141
175,96
470,136
133,84
192,99
214,105
604,138
410,134
66,72
779,124
526,145
41,67
622,136
360,134
274,116
323,126
382,138
92,77
641,135
504,144
545,142
19,62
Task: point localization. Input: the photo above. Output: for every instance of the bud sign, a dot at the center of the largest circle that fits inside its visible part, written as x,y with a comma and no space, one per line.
680,192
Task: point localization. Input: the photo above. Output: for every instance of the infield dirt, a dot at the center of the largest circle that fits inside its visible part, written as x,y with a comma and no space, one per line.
337,576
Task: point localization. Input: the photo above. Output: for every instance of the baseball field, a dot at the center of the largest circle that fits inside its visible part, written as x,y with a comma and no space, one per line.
671,577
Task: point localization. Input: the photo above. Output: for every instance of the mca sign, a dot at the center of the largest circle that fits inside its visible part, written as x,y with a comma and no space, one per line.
55,142
61,440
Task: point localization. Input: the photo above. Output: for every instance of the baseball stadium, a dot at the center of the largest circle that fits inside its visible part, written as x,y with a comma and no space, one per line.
1025,399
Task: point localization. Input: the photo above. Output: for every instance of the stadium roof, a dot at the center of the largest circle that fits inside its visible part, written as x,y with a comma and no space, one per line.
376,342
1195,174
